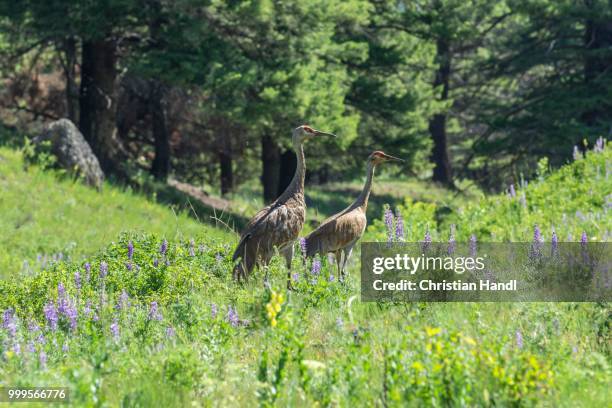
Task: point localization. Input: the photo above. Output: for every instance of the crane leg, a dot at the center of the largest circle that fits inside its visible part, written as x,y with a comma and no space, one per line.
288,252
338,258
347,254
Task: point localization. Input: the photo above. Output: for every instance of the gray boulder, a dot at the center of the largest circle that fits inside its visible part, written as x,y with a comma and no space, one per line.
72,151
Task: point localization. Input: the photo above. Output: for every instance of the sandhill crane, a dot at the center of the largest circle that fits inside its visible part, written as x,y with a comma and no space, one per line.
339,233
279,224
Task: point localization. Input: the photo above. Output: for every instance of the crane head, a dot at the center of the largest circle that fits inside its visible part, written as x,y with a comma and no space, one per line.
379,156
305,132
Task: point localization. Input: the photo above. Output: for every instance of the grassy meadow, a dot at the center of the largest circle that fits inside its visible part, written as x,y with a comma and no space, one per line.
140,310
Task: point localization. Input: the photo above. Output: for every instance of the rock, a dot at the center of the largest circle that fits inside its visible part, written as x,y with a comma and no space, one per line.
72,151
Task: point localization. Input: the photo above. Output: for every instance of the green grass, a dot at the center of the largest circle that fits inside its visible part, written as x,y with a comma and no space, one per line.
317,345
45,213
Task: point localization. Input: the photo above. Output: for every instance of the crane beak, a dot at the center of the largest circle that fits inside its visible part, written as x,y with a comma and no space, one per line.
393,158
319,133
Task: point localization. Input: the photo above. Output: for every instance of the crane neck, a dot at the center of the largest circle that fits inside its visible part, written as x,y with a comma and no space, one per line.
362,199
297,182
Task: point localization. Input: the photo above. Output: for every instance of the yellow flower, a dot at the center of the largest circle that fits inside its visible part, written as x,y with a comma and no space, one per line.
417,366
273,322
431,331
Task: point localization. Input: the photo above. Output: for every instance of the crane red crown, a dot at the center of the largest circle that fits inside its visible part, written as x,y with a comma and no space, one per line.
308,129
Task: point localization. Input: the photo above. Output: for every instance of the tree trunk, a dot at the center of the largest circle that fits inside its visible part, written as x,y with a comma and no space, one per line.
288,164
437,124
69,67
597,62
98,103
161,163
270,158
227,173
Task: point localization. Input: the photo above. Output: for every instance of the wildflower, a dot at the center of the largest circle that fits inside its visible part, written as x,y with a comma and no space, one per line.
426,240
154,313
473,245
316,267
554,243
295,277
65,347
232,316
88,271
600,145
191,248
213,310
339,323
103,269
72,314
51,315
17,348
155,262
163,248
42,359
331,278
512,191
218,258
389,224
399,225
303,246
583,239
576,153
519,339
452,244
9,323
523,200
114,328
31,348
124,300
170,332
273,307
61,290
77,280
130,250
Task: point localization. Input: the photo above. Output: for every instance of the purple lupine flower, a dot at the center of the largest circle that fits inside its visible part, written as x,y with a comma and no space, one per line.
303,246
452,243
523,200
42,359
218,258
61,290
128,266
576,153
51,315
163,248
191,247
399,225
154,313
339,323
473,245
31,348
114,328
17,348
331,278
87,271
512,191
316,267
232,316
170,332
584,238
130,248
554,243
537,235
72,315
213,310
9,323
295,276
600,145
65,347
103,269
426,240
519,339
155,262
124,300
389,224
77,280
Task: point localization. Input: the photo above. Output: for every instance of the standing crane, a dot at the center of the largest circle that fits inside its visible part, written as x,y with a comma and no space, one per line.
340,232
279,224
